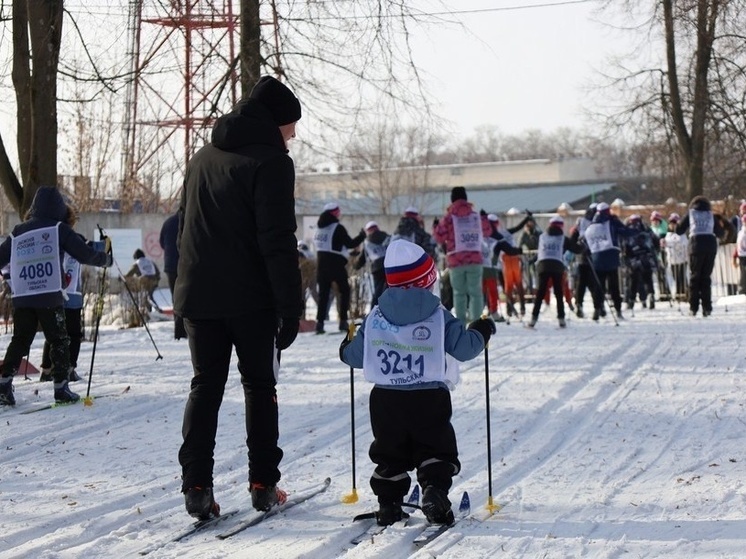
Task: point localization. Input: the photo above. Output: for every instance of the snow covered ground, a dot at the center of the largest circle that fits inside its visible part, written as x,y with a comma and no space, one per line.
607,442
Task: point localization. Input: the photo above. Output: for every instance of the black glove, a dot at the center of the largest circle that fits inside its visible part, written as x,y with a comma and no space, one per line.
436,221
529,214
109,261
482,212
107,244
485,326
287,330
345,342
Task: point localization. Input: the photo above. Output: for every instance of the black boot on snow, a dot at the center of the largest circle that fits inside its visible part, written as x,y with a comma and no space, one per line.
6,392
436,506
388,513
200,503
63,394
264,497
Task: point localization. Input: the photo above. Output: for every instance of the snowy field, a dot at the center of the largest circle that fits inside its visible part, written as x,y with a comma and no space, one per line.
607,442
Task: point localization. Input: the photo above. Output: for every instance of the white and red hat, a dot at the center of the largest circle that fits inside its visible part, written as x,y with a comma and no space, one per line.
674,217
557,221
371,225
656,216
407,265
411,211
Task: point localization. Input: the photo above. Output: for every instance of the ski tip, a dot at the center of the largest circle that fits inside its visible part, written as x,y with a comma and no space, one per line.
465,503
414,497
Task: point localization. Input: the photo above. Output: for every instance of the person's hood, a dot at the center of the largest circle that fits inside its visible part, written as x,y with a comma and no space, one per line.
48,204
601,217
248,123
700,203
461,208
326,218
405,306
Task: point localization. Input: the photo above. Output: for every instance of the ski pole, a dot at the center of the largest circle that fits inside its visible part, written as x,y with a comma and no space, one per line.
491,506
352,497
98,310
134,301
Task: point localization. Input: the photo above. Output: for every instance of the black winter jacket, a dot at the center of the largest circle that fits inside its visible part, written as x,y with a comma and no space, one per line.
328,262
237,246
48,209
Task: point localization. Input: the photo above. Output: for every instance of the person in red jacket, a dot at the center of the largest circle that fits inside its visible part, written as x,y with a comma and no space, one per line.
462,230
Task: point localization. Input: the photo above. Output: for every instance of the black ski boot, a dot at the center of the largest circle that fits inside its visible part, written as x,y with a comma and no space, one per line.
436,506
200,503
6,392
388,513
264,497
63,394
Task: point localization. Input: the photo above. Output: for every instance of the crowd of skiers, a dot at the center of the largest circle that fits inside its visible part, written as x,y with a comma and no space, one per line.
617,262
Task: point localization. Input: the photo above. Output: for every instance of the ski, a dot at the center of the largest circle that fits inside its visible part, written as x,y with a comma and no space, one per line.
373,529
196,527
432,531
67,404
296,499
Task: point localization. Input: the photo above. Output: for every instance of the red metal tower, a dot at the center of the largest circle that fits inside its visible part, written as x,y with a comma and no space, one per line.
184,68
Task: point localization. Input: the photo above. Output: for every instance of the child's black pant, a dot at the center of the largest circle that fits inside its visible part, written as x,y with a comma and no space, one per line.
412,430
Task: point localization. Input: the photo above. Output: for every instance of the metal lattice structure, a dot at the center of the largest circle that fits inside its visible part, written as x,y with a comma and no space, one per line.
184,66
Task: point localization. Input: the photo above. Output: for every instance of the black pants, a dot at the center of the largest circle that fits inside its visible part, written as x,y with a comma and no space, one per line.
25,322
640,283
211,343
325,277
379,285
179,331
412,430
74,327
700,281
585,281
544,278
607,279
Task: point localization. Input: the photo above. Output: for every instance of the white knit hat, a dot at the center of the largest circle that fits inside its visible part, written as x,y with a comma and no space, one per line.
370,225
412,210
331,206
407,265
557,220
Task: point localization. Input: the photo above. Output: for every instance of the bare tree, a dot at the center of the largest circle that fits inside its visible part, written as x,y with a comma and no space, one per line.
37,31
676,100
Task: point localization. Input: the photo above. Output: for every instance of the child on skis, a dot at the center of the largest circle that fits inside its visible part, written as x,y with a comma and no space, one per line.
403,347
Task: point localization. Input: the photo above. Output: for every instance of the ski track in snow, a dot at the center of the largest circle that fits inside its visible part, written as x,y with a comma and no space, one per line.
606,442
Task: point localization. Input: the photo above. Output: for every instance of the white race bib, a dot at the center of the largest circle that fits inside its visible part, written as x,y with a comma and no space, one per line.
598,237
467,231
410,354
72,269
35,266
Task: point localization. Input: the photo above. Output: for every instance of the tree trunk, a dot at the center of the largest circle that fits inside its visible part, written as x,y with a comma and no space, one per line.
692,143
37,32
250,47
45,33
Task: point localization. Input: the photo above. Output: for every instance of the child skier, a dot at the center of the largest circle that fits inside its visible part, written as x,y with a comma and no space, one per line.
402,347
35,249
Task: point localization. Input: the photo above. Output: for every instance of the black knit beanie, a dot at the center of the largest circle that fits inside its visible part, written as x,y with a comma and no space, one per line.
458,193
282,104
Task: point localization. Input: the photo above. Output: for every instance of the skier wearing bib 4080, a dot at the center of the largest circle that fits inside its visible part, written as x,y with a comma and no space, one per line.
404,347
35,251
